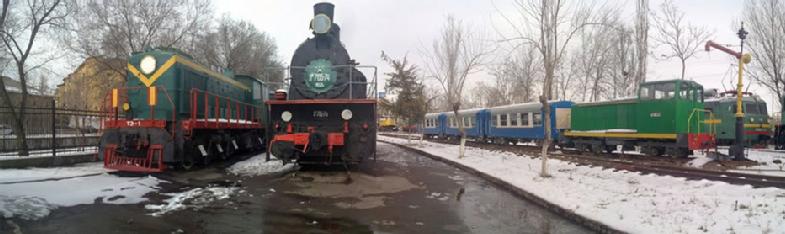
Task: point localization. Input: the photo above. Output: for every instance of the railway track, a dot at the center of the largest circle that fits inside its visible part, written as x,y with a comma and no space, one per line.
637,163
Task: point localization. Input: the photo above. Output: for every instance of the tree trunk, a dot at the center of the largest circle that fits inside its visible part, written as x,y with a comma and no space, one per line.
459,120
546,110
683,68
21,135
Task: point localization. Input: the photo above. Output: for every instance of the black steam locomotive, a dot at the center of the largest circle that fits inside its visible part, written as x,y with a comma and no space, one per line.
328,115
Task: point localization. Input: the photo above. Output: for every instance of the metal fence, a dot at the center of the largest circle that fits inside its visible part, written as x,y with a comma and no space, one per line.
51,131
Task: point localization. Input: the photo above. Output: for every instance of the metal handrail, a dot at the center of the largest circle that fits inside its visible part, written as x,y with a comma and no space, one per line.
374,83
712,129
217,113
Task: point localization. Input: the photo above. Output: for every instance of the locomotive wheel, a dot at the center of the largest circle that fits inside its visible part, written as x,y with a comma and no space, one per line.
659,151
597,149
609,149
581,148
188,162
188,158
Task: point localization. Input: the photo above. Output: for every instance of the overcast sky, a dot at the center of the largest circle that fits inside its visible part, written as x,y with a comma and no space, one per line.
401,27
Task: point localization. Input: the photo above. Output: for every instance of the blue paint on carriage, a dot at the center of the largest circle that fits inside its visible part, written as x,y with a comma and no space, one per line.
435,123
474,130
484,122
527,127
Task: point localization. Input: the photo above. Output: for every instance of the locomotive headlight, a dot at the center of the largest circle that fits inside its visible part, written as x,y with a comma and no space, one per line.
147,64
321,24
346,114
286,116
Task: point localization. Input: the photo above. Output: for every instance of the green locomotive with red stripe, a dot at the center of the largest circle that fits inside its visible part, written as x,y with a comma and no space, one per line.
174,112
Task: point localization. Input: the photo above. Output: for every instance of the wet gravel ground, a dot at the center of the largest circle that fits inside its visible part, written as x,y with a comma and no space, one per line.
401,192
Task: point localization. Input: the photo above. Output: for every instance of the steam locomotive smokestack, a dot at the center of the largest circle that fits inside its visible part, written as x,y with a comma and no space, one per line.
328,9
324,8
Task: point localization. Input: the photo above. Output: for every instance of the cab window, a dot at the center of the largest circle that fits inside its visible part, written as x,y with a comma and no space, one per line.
257,91
658,91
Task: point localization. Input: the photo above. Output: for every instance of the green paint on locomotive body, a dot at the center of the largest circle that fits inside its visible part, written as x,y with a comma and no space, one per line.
662,107
616,114
175,81
756,118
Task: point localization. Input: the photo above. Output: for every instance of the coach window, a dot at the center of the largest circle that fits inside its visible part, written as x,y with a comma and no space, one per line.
257,91
514,119
537,119
503,121
525,119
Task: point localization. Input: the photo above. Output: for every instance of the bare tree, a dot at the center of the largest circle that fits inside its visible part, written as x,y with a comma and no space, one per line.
641,41
240,46
766,20
549,26
115,29
595,57
19,33
516,76
453,57
682,39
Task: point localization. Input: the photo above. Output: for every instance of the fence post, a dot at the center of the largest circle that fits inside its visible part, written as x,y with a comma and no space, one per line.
54,130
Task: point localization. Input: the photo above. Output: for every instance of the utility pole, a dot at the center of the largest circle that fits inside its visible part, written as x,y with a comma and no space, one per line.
737,150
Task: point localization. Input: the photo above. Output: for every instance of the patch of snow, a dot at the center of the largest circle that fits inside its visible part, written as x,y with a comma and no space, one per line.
630,201
196,198
31,193
699,161
50,173
76,151
257,165
770,162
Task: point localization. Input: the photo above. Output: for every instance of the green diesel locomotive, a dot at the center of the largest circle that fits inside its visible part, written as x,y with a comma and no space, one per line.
667,117
173,111
757,130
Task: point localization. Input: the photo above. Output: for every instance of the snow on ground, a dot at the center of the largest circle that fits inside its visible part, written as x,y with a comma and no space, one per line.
630,201
771,162
699,160
32,193
50,173
196,198
257,165
76,151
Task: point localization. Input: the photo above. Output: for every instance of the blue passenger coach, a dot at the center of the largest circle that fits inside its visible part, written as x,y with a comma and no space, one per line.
473,123
434,125
523,122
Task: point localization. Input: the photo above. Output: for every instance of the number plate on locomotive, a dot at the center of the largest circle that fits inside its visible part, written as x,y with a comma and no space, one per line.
320,114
